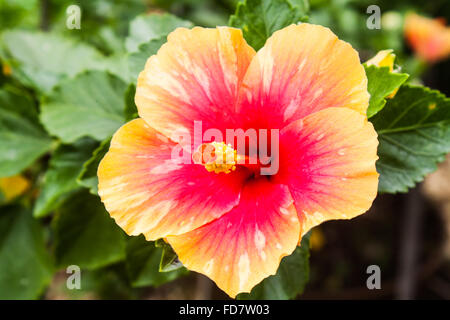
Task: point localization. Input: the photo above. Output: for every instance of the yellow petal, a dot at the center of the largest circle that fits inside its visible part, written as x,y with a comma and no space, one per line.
384,58
12,187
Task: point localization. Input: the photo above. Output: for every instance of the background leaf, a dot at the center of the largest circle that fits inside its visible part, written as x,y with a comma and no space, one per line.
22,139
414,135
145,28
25,266
290,279
169,259
258,19
143,260
88,175
137,60
381,83
131,111
41,60
85,234
91,104
61,178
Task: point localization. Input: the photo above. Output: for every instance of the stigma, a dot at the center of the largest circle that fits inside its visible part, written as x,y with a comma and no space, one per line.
216,157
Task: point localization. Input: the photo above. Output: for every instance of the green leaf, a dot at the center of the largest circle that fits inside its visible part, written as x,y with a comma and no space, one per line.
85,234
290,279
145,28
3,77
137,60
91,104
108,40
108,283
258,19
22,139
19,13
116,64
169,259
88,175
381,83
301,4
414,135
61,178
142,262
41,60
131,111
25,266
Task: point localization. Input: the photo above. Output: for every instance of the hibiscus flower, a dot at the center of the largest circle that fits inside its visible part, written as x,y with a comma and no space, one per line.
429,38
222,215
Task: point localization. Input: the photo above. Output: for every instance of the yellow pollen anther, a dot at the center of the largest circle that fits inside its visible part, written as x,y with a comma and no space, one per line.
216,157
